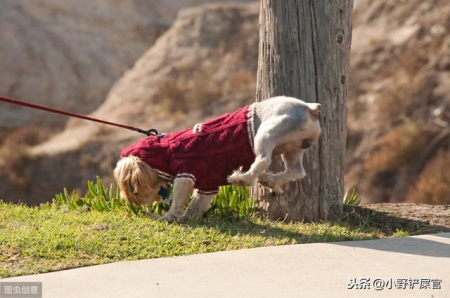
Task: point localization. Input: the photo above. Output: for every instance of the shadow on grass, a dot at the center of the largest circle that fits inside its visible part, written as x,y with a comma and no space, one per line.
357,223
436,245
286,235
388,224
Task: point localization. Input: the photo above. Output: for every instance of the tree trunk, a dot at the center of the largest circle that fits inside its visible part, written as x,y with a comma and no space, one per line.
304,52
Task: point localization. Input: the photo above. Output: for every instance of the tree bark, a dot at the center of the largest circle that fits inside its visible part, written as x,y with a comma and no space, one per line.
304,52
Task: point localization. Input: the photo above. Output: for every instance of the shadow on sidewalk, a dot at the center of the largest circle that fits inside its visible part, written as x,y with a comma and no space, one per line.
433,246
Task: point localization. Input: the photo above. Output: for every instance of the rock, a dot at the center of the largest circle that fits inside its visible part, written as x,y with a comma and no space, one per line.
204,65
67,54
399,97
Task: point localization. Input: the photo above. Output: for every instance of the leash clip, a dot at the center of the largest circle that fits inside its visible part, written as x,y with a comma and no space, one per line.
149,132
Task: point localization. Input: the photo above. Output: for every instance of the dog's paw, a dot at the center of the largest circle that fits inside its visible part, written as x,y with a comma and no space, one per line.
183,219
169,217
274,188
266,180
155,216
238,178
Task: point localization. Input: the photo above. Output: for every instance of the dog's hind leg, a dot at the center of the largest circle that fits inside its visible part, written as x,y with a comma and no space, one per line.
198,206
294,170
182,188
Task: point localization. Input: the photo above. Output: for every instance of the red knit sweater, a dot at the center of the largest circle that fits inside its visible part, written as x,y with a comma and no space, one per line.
207,153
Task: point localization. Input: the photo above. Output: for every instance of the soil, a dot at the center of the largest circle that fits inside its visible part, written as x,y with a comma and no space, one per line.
412,218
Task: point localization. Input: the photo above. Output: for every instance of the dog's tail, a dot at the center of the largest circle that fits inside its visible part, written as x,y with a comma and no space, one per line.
135,179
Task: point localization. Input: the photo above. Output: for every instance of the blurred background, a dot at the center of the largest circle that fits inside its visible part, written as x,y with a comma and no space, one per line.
170,64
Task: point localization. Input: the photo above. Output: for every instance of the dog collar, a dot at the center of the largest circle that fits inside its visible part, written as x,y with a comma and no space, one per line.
164,193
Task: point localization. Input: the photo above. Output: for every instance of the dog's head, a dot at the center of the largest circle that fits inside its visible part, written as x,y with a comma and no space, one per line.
139,183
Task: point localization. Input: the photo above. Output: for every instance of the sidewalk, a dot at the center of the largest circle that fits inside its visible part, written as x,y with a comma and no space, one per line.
307,270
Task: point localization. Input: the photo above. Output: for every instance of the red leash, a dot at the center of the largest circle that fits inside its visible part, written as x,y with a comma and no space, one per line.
149,132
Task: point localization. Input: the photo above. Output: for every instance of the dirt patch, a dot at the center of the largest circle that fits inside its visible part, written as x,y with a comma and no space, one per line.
390,218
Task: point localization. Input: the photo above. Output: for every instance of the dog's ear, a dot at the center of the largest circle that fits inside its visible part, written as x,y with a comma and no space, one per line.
137,180
314,109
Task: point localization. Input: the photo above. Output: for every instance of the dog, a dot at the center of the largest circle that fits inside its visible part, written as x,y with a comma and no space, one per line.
234,149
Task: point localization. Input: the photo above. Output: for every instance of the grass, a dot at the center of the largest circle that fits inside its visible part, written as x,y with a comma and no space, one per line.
49,238
73,232
352,198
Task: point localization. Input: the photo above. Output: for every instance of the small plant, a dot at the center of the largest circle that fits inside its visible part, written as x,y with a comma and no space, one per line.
400,233
352,198
230,202
233,202
97,198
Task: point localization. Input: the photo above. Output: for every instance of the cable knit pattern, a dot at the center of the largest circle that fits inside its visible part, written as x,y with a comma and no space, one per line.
207,153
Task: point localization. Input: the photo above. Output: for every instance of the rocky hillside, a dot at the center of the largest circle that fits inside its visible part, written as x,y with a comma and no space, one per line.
67,54
399,102
204,64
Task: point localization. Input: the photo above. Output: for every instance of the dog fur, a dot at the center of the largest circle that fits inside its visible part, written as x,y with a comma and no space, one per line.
281,126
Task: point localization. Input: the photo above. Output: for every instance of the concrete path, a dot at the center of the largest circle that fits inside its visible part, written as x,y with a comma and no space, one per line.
402,267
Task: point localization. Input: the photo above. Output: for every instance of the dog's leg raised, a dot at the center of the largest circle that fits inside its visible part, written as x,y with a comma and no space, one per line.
260,164
293,170
264,145
198,206
182,188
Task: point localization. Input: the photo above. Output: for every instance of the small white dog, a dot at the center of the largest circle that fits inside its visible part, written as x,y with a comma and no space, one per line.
231,149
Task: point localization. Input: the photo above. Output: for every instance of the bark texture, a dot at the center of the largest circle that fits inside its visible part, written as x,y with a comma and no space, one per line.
304,52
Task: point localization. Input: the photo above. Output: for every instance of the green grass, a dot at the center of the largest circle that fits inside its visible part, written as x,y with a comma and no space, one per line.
352,198
49,238
100,228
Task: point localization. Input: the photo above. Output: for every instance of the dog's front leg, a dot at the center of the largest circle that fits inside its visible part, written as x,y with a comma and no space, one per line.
294,170
182,188
264,145
199,205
